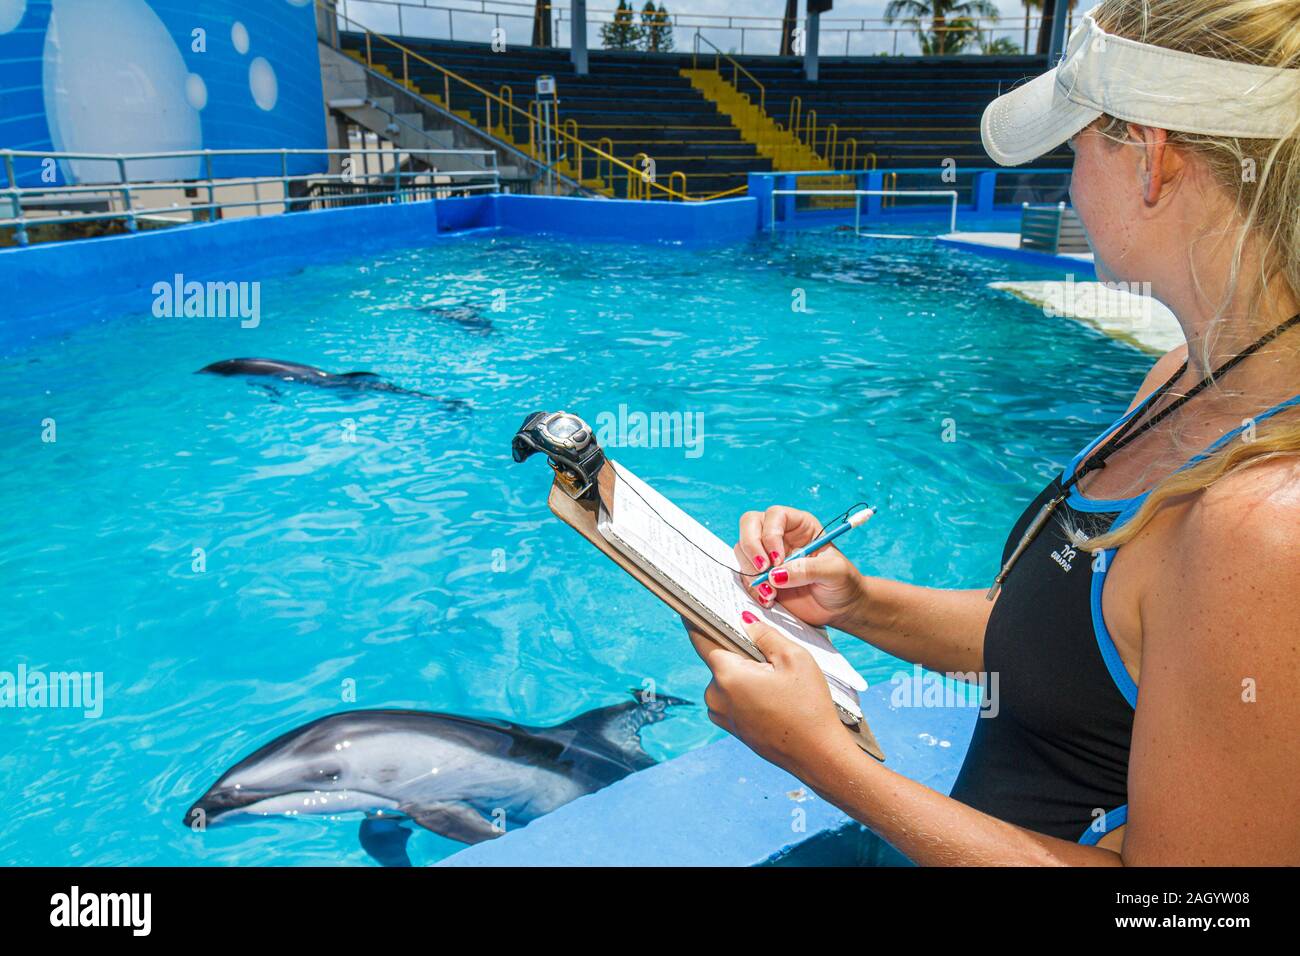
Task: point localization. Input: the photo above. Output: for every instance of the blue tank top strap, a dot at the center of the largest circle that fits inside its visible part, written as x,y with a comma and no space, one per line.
1263,416
1092,445
1110,821
1127,507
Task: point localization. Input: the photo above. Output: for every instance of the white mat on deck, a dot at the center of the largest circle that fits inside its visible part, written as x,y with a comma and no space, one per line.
1137,319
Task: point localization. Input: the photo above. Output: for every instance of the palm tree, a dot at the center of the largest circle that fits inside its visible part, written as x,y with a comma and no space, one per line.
1002,46
951,23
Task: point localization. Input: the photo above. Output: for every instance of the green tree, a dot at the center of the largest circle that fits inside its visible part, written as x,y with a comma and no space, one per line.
1002,46
621,33
942,26
656,28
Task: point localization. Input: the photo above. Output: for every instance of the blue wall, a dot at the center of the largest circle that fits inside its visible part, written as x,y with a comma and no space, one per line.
133,76
69,284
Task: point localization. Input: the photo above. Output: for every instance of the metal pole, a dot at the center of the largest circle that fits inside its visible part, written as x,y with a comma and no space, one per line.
212,199
546,143
810,51
131,224
284,178
578,37
21,229
1058,30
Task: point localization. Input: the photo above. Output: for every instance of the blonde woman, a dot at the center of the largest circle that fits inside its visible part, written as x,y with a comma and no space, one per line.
1180,525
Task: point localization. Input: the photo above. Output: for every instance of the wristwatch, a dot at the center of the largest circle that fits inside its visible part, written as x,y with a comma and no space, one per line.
569,445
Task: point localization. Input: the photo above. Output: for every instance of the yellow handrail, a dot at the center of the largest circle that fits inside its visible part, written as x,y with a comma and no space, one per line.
672,177
489,98
736,69
850,156
872,158
534,129
832,143
605,143
810,130
726,192
890,182
508,95
639,181
566,126
796,114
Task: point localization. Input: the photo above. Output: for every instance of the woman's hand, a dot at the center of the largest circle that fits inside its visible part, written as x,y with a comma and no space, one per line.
821,589
780,709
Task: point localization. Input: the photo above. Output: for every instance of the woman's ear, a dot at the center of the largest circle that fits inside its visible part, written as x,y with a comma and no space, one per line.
1160,164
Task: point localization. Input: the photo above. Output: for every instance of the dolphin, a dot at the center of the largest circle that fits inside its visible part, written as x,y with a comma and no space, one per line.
310,375
468,317
464,778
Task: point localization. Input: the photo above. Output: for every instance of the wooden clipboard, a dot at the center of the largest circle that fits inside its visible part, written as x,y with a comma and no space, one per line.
583,515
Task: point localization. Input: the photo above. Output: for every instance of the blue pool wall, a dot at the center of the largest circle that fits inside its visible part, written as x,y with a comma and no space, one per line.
718,805
62,285
985,195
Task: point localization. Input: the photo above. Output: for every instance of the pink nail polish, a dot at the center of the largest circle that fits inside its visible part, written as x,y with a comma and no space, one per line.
781,576
747,617
758,561
766,590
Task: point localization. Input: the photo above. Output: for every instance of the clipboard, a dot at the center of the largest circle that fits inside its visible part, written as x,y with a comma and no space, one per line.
582,515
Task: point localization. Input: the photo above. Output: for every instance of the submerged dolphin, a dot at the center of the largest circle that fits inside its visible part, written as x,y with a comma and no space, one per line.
310,375
457,776
468,317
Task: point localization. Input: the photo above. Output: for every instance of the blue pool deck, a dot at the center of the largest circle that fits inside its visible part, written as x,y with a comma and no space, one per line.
722,805
718,805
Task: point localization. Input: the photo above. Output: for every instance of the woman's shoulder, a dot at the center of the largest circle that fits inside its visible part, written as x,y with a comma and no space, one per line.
1247,521
1162,371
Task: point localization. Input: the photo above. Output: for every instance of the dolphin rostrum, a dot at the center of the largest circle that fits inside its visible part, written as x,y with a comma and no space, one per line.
464,778
310,375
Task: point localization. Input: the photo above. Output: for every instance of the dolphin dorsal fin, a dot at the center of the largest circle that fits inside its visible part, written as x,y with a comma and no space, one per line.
620,726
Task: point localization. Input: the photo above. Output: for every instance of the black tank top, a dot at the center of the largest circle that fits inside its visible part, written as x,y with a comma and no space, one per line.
1055,756
1054,759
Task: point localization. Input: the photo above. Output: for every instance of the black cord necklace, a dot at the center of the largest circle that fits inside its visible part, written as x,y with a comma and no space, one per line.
1125,435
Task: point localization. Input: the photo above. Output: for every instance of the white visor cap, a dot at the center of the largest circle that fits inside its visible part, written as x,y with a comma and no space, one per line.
1149,85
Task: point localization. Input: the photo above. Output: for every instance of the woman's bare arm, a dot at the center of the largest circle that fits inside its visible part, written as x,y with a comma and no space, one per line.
939,629
1216,751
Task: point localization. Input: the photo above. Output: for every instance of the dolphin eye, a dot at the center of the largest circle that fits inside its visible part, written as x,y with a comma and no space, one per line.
328,773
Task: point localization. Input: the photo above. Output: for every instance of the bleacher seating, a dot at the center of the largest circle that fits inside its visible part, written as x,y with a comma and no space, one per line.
639,101
908,112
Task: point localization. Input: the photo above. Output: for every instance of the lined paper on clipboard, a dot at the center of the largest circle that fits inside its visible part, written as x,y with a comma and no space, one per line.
676,550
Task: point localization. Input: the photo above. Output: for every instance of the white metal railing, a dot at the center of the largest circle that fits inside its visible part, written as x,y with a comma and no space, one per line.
857,205
115,198
745,34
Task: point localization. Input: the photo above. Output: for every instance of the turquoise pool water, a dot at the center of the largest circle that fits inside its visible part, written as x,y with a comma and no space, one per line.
417,563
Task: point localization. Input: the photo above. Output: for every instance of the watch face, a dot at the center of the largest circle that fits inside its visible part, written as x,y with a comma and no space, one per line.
564,427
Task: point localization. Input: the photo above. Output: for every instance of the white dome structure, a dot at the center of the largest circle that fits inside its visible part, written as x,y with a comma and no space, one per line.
115,82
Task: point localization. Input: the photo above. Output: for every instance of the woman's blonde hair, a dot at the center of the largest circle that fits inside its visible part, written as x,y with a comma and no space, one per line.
1262,175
